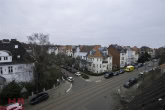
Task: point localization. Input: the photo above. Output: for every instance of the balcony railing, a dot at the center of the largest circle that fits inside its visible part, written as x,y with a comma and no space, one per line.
104,61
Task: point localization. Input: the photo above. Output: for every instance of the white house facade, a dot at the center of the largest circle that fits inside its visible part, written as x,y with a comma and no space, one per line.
17,72
14,71
100,64
53,50
99,61
78,53
123,57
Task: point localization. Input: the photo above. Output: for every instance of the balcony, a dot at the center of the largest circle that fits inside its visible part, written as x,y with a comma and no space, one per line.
104,61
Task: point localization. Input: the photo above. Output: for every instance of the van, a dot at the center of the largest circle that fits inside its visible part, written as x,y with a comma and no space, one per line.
129,68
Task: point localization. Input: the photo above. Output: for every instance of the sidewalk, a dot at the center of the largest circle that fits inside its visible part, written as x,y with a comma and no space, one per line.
53,93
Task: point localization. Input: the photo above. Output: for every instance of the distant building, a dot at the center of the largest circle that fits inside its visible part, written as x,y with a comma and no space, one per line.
82,51
131,55
69,51
53,50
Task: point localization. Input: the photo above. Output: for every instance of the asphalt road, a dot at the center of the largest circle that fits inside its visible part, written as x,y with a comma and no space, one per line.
93,96
78,81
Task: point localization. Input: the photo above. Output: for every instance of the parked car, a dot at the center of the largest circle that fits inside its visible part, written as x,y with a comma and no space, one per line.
130,82
70,79
140,65
127,84
14,106
73,70
121,71
39,98
141,74
108,74
78,74
65,76
116,73
133,81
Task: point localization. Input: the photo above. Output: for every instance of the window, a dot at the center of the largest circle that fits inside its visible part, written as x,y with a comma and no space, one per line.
18,56
122,62
100,65
0,58
97,59
107,66
16,46
122,58
97,65
93,65
5,58
1,70
10,69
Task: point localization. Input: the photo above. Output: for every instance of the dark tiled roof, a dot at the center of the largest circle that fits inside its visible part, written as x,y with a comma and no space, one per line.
119,48
86,49
10,46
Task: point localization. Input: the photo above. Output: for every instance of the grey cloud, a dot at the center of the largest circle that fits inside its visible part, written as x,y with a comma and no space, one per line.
125,22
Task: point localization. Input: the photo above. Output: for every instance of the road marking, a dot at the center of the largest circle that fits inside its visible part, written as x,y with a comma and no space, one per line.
88,80
98,81
69,88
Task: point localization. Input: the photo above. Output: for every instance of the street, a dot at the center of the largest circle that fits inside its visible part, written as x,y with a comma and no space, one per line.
88,95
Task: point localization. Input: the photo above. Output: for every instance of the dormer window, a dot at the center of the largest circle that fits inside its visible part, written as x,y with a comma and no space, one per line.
18,56
5,58
16,46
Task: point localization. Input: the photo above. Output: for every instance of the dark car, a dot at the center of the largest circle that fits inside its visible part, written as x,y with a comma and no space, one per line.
116,73
39,98
108,74
140,65
133,81
121,71
127,84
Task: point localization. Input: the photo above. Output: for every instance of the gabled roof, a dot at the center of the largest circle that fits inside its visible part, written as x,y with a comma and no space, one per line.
86,48
98,51
118,48
68,47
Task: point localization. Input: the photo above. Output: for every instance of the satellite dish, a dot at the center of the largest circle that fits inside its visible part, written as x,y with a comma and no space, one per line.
2,80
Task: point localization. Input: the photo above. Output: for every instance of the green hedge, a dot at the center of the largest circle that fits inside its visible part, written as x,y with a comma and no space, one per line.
85,76
93,74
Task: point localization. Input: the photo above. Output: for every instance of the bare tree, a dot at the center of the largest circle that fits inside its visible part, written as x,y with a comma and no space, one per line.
38,43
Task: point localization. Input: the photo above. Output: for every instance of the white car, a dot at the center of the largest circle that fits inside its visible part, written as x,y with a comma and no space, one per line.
78,74
70,79
14,106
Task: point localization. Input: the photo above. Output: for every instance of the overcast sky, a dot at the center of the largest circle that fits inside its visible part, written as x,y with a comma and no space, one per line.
104,22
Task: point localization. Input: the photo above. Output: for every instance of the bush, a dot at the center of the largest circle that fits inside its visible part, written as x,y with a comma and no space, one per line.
94,74
12,90
85,76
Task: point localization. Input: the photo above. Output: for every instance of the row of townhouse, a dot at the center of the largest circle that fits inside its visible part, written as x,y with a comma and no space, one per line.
12,66
100,59
123,56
